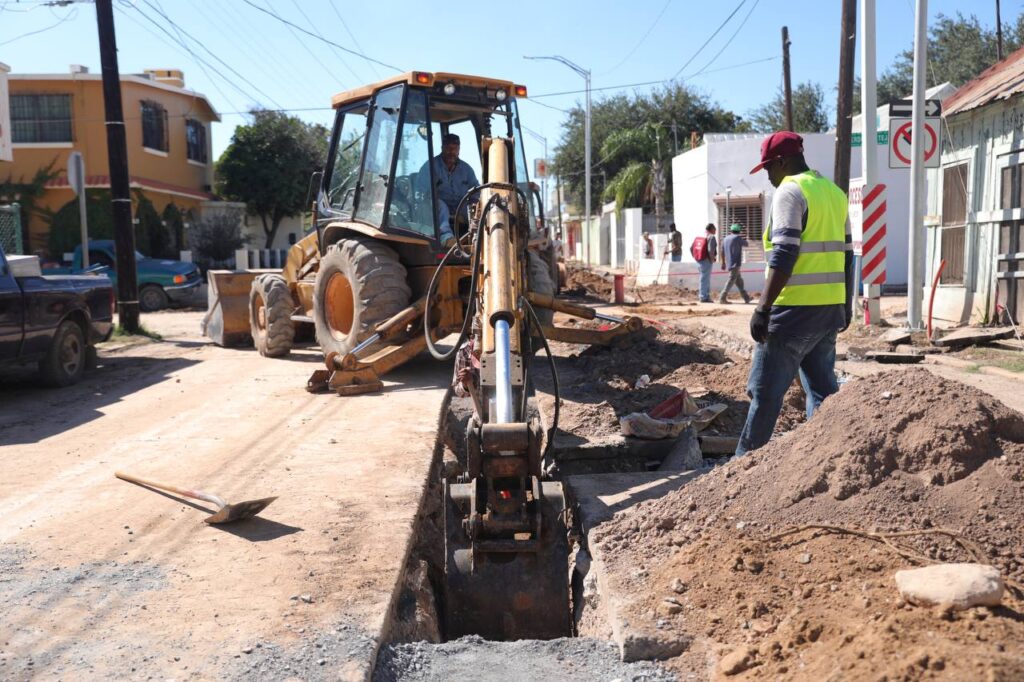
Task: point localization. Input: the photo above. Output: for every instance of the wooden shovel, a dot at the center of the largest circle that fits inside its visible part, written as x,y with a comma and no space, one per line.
226,513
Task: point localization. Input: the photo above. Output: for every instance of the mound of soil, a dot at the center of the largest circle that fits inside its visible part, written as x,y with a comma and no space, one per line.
901,451
584,283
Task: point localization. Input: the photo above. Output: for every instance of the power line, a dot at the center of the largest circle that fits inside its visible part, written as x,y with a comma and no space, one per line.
657,82
333,49
546,106
728,42
642,38
202,45
73,13
355,41
313,35
710,38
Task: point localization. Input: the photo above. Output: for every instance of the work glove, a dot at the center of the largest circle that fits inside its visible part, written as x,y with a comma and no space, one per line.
759,324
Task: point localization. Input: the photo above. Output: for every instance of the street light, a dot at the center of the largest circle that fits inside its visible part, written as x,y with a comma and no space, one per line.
586,143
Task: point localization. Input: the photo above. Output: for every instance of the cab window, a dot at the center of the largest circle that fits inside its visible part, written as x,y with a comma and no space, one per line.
380,147
348,154
412,198
522,177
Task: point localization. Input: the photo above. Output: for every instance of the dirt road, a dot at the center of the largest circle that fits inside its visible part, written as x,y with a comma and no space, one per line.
100,578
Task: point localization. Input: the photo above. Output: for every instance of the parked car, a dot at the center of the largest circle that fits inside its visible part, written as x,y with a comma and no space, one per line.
52,320
161,282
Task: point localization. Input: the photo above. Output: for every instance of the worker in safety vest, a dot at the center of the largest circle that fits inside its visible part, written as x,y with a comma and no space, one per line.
807,297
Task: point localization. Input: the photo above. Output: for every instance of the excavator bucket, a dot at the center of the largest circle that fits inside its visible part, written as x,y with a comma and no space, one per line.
502,593
226,321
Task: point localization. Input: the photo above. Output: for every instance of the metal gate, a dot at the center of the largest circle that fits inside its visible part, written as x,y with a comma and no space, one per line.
10,228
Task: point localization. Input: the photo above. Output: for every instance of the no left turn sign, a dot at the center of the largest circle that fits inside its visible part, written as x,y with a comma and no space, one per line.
900,147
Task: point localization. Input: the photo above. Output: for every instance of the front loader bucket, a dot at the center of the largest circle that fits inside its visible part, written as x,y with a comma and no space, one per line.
227,316
507,595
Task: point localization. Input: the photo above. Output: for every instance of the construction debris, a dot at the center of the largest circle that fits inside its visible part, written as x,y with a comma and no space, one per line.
957,586
972,336
888,358
788,553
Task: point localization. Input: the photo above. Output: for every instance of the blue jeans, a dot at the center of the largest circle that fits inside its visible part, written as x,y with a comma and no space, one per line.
775,363
677,257
705,279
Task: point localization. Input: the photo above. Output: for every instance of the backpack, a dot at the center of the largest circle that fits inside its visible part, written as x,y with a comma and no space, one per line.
699,249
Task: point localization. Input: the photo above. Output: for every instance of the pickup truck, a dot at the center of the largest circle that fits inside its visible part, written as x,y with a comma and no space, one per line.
53,320
161,282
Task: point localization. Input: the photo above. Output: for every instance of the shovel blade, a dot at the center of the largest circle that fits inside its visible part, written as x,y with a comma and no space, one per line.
240,510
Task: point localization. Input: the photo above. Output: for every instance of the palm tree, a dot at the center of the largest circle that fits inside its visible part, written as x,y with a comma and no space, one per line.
638,182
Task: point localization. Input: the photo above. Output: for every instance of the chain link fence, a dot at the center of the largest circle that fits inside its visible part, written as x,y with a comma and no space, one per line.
10,228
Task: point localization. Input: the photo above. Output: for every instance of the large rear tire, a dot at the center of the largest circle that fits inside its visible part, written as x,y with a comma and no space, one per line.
360,283
66,358
270,312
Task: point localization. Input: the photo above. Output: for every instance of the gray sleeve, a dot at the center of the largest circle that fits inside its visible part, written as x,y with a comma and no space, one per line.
788,210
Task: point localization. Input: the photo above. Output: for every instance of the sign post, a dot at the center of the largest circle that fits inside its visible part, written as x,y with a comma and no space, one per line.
76,178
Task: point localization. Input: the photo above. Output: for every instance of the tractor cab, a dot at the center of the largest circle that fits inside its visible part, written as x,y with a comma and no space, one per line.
383,176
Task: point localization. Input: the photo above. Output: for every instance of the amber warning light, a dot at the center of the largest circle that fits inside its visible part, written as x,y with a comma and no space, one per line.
423,78
520,91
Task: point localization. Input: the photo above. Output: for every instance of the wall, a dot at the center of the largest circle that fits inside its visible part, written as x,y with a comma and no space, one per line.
5,119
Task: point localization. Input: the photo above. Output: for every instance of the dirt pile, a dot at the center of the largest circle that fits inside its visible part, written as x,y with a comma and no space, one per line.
729,559
587,284
598,384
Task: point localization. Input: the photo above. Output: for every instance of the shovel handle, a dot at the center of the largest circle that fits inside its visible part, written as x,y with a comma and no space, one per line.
194,494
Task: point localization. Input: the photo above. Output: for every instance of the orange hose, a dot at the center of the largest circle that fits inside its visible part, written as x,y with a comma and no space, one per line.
931,298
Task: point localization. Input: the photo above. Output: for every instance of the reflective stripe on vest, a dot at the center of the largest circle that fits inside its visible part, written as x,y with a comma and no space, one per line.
819,275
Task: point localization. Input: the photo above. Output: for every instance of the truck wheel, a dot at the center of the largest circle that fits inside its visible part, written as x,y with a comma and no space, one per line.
270,312
66,358
360,284
152,298
540,283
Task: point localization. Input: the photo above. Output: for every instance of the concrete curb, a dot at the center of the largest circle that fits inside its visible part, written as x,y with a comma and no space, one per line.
965,364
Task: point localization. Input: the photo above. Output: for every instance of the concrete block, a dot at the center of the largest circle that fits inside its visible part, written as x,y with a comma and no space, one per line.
959,586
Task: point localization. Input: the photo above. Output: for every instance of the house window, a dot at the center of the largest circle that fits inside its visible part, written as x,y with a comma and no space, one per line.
953,237
154,126
195,138
748,211
40,118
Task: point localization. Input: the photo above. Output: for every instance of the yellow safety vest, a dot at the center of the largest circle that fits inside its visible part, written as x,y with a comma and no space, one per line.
819,276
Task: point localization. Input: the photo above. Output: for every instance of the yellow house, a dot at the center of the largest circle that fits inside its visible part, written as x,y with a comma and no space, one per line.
167,129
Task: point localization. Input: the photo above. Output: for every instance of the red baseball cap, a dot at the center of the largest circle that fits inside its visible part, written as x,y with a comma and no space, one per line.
777,146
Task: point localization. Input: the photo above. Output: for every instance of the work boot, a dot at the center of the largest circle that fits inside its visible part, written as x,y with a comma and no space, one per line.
746,297
723,299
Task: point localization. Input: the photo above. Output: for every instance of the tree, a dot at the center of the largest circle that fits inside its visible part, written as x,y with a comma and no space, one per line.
959,48
639,182
216,237
810,113
672,105
268,166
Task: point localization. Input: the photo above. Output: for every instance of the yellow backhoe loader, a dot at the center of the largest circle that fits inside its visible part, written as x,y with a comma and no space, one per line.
361,278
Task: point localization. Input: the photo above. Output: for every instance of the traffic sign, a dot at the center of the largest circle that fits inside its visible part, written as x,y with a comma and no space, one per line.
882,136
76,172
904,108
540,168
899,142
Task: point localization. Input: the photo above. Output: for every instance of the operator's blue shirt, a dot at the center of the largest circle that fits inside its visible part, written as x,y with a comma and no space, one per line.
452,185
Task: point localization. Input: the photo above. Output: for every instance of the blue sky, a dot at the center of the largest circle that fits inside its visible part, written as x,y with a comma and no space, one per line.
622,43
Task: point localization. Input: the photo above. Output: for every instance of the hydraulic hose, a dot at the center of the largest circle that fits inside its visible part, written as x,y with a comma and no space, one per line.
554,374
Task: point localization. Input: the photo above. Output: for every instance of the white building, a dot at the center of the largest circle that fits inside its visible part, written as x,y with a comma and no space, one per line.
975,219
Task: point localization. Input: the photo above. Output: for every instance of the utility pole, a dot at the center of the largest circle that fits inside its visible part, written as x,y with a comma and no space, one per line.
787,87
844,107
999,34
915,241
117,151
869,141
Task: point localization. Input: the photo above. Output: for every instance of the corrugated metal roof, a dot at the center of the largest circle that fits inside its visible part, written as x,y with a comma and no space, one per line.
1001,81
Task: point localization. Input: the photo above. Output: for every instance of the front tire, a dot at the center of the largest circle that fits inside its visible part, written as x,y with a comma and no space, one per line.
66,358
270,313
152,298
360,283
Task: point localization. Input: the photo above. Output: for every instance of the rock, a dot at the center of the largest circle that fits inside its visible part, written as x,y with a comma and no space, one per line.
959,586
678,586
737,661
667,608
247,650
306,598
804,558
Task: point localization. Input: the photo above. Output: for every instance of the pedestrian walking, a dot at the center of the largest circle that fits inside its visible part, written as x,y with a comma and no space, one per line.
705,251
648,245
808,288
731,258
